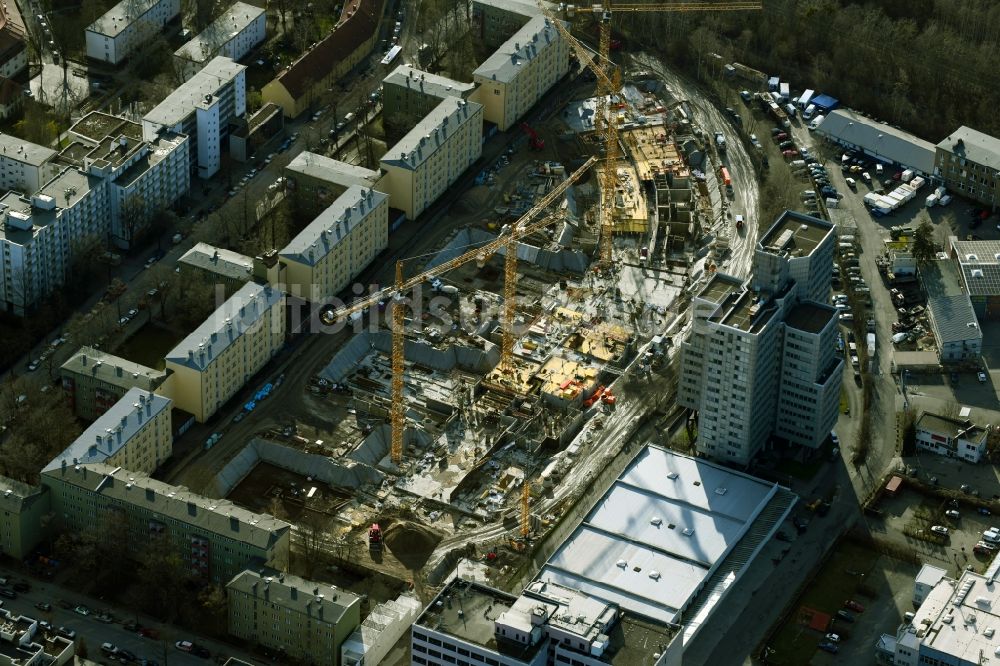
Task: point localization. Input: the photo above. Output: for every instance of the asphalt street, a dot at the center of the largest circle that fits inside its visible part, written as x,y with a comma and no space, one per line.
95,633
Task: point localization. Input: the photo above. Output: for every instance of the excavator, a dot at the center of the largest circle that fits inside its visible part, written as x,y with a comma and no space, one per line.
537,142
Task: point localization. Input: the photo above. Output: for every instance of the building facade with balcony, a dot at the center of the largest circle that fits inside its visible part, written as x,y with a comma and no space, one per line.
759,361
203,107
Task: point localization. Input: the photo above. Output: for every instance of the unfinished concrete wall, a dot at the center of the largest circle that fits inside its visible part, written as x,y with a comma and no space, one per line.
348,474
475,360
559,261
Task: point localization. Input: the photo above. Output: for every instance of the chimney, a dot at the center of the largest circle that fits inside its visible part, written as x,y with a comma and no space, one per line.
295,594
118,370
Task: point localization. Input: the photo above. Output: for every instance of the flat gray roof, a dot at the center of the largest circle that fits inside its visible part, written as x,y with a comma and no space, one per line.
431,132
434,85
121,16
22,150
810,317
666,514
941,278
506,62
231,320
113,369
222,262
214,76
218,516
521,7
113,430
976,147
229,24
333,225
884,141
795,232
333,171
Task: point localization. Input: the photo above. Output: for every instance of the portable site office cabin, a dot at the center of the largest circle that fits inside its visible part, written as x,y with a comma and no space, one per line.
784,90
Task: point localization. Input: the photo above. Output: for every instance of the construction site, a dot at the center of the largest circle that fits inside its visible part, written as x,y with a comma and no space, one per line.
474,400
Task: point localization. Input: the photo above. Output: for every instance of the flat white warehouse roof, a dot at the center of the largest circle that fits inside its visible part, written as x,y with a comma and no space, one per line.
667,514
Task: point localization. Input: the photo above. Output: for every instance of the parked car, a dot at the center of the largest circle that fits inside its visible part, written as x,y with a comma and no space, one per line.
184,646
982,377
983,511
82,610
790,153
832,648
7,593
43,606
939,529
845,616
833,638
68,634
854,606
851,183
953,514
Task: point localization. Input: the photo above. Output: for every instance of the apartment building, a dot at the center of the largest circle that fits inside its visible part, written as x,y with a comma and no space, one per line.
432,155
22,508
38,235
13,45
759,361
372,641
94,381
409,94
214,362
326,256
23,643
233,34
145,177
304,620
11,98
25,166
495,21
214,538
968,162
520,72
954,438
299,86
318,180
216,265
202,108
134,433
128,26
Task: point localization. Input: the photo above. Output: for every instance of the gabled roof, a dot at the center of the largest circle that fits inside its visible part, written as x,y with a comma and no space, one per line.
224,326
229,24
218,516
507,61
975,146
113,430
953,318
333,225
320,601
431,132
884,141
317,63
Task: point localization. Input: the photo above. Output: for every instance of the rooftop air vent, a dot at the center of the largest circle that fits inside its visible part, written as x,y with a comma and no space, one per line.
672,475
720,491
621,564
654,574
687,531
657,521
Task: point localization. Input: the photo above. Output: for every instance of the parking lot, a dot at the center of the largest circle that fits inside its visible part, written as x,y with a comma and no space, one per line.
854,572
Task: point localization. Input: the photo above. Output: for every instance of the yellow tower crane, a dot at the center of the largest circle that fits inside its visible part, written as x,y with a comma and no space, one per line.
522,228
609,85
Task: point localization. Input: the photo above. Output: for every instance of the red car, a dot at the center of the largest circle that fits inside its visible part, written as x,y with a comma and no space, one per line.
897,175
854,606
790,153
149,632
780,137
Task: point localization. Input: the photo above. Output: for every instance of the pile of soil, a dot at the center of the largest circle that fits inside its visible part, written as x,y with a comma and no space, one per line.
410,543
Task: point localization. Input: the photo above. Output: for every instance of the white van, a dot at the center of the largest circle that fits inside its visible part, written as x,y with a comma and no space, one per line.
348,117
817,121
810,110
792,112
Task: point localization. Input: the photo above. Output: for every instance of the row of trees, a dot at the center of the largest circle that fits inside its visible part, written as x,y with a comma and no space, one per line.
926,65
